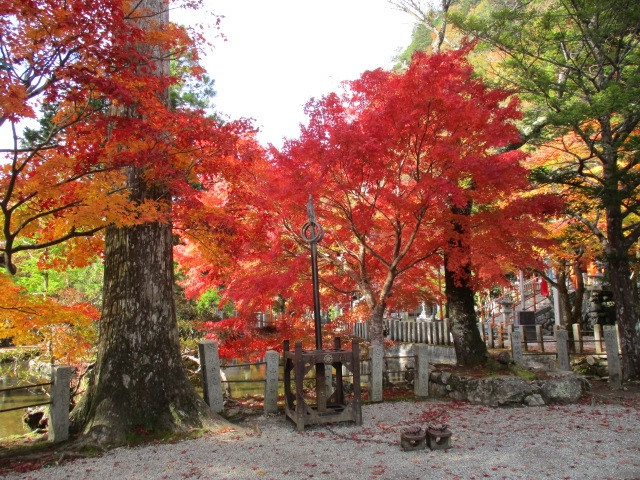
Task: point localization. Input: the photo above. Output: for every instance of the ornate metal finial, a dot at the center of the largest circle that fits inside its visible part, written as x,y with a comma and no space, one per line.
312,232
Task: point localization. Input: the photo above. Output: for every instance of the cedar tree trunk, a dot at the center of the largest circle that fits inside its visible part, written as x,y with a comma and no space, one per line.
138,380
625,297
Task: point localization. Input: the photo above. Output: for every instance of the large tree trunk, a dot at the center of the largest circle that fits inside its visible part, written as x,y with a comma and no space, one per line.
470,348
138,379
375,325
625,297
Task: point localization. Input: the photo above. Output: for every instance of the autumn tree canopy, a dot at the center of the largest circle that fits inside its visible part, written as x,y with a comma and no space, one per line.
576,66
390,162
112,154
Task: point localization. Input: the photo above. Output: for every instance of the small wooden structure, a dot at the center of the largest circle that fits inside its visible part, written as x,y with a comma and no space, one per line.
306,408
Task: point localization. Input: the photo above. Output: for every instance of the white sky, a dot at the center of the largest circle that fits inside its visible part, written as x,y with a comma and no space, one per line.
280,53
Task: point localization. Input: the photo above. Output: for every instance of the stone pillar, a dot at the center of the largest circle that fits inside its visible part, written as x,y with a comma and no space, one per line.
613,356
421,380
211,381
577,338
446,326
515,338
60,401
271,382
540,338
562,349
509,332
375,379
597,337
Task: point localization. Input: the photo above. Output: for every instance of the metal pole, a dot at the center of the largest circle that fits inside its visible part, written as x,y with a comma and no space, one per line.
312,233
317,319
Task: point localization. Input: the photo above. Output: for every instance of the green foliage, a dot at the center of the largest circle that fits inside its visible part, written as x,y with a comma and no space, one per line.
68,286
420,41
193,93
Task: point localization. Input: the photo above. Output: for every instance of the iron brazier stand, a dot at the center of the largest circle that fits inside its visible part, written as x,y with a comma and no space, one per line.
304,408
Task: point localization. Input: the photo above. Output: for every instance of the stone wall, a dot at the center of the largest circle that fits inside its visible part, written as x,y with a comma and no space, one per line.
509,390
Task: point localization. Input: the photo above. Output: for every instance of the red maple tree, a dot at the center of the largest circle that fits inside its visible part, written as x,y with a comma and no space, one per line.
405,168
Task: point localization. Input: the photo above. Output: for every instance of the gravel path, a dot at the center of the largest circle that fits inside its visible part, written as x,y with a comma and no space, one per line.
579,442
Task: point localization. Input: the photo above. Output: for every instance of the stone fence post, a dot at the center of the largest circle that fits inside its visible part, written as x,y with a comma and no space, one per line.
421,380
60,401
613,356
211,381
375,378
562,349
271,382
515,339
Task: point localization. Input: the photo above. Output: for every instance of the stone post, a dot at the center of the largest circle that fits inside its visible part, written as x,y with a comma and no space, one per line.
509,332
613,357
597,337
421,380
211,381
515,338
540,338
562,349
447,331
577,338
60,401
271,382
375,378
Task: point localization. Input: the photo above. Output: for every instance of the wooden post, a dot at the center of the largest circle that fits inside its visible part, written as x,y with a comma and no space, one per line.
271,382
613,356
211,381
357,394
60,401
540,338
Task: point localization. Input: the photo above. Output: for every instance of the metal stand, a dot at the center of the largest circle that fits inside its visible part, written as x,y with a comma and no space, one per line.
299,406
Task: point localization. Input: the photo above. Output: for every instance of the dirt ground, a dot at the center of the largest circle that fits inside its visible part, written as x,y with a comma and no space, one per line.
601,392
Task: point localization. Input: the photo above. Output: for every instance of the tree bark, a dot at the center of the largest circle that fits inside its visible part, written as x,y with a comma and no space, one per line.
625,296
470,348
376,334
138,380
